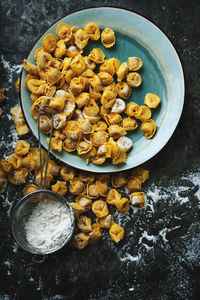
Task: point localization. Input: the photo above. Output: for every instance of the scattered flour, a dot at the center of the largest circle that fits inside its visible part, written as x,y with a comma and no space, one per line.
10,70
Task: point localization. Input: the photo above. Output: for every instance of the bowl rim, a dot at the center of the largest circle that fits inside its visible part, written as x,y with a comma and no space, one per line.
173,127
15,206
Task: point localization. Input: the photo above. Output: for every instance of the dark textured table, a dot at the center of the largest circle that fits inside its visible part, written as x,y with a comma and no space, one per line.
159,257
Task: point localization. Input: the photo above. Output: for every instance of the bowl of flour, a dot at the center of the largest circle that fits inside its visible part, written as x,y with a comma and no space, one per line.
42,222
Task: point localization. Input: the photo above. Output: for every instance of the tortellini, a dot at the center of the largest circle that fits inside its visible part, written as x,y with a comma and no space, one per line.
138,199
88,93
59,187
100,208
116,233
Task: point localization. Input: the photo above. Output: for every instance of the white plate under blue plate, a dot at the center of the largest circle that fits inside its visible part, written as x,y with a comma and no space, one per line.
162,74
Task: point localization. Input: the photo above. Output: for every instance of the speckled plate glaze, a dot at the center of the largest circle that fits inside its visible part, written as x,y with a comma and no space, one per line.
162,74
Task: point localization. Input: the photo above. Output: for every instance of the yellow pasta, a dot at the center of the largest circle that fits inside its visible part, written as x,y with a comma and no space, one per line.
151,100
85,202
78,64
134,79
145,113
16,161
113,119
119,179
108,37
22,148
30,188
100,208
97,56
77,209
106,78
95,234
80,240
84,224
133,184
123,205
92,191
64,32
18,177
129,124
134,63
138,199
49,43
140,173
81,39
124,90
113,196
116,131
77,187
148,128
67,173
116,233
19,121
5,166
105,222
133,110
122,72
92,30
59,187
60,49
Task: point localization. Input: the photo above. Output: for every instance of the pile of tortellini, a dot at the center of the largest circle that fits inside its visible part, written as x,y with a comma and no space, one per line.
88,106
92,192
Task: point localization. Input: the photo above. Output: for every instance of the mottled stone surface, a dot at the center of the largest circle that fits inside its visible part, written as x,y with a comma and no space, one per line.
159,257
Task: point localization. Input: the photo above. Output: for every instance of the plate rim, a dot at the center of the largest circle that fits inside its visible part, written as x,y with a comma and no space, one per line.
182,81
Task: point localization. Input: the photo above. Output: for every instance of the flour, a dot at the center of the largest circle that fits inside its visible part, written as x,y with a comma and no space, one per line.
48,225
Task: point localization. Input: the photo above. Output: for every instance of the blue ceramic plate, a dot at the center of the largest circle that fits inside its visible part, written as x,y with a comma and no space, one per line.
162,74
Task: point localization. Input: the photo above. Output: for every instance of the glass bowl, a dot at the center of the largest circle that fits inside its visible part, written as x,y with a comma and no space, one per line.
23,209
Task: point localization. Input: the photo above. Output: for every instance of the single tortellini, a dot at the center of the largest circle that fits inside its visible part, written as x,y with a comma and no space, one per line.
30,188
106,78
134,79
94,94
30,68
100,208
102,188
99,160
120,158
118,107
124,90
97,56
52,168
69,108
95,234
92,191
43,100
108,67
73,132
86,176
5,166
84,224
138,199
77,209
56,144
113,119
69,75
56,63
57,104
99,138
45,124
119,179
116,131
95,83
60,49
109,95
134,63
80,240
148,128
133,184
105,222
145,113
84,147
151,100
89,64
129,124
69,145
125,143
123,205
18,176
59,120
67,173
73,51
59,187
16,161
85,202
83,99
85,126
43,60
78,64
77,187
91,109
92,30
116,233
108,37
141,174
37,86
122,72
22,148
19,121
64,32
133,110
77,85
81,39
53,75
3,184
103,178
100,126
113,196
29,162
